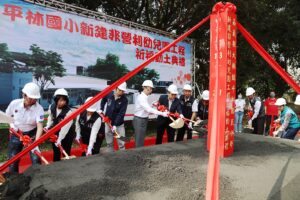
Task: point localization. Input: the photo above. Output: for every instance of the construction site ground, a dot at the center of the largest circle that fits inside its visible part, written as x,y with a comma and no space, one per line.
260,168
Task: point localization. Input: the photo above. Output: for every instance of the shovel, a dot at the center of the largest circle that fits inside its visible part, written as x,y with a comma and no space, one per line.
41,157
108,122
22,137
178,123
5,119
53,139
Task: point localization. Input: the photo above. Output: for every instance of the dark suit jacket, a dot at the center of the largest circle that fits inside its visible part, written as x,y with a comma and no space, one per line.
175,107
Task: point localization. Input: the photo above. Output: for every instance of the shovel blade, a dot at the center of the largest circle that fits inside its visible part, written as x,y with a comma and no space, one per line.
68,158
178,123
4,118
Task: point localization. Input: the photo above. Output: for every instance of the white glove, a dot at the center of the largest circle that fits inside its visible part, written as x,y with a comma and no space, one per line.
89,151
57,143
250,123
113,129
35,149
275,133
190,126
77,139
12,125
181,116
165,114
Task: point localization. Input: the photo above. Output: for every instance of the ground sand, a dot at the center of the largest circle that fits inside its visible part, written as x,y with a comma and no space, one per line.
261,168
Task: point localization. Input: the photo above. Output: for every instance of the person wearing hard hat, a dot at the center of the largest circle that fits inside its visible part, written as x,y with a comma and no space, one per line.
57,112
257,121
88,125
172,103
290,124
116,106
28,117
186,102
297,101
141,113
200,108
271,111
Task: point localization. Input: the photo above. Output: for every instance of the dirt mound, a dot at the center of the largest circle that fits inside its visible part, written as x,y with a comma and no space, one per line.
261,168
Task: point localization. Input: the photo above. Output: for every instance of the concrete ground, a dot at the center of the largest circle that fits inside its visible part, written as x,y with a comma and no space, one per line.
261,168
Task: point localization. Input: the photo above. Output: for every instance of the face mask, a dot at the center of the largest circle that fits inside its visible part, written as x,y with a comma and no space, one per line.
240,96
272,95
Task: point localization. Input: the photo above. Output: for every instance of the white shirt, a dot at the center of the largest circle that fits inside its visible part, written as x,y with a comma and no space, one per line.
195,106
240,105
142,108
95,130
26,119
65,129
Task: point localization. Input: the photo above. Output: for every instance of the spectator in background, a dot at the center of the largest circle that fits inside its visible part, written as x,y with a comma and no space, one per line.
239,113
271,111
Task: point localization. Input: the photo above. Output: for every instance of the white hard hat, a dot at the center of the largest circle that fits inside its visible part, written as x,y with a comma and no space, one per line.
280,102
147,83
297,102
173,89
32,90
92,108
123,87
205,95
249,91
187,87
61,92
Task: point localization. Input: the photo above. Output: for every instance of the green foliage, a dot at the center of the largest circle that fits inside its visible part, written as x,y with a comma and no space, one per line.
6,61
108,68
45,65
144,74
111,69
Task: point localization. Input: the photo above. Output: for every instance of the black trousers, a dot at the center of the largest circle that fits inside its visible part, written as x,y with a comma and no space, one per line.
66,143
259,125
268,119
163,125
99,140
181,133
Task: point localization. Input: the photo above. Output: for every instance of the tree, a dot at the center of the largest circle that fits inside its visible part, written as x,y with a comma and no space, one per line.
108,68
144,74
45,65
6,60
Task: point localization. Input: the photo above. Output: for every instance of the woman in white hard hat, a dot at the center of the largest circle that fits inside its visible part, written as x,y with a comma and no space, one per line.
88,126
290,123
258,118
57,112
172,103
28,117
141,113
116,106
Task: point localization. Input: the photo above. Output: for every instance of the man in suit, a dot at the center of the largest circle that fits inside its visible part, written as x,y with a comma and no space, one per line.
172,103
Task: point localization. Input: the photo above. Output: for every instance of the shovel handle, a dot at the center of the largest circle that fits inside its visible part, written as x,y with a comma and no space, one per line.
63,151
41,157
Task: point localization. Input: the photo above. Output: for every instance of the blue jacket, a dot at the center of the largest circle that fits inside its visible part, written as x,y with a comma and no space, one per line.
294,122
115,108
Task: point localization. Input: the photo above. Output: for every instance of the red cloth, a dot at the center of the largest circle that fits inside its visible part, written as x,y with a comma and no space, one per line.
271,109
